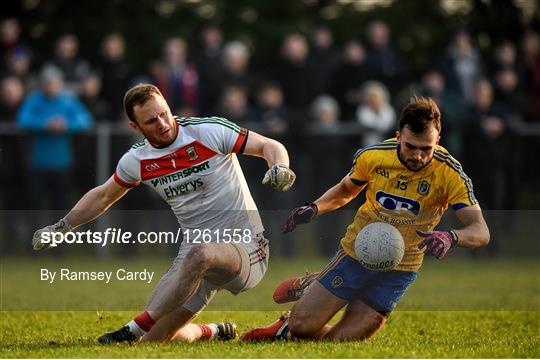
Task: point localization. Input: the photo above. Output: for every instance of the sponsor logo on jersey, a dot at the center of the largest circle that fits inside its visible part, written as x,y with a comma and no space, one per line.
192,153
423,187
167,179
181,189
383,173
404,178
397,203
393,220
152,167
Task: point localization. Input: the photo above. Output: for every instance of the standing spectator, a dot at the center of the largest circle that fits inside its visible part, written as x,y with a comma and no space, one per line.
325,111
209,58
530,62
271,112
66,59
12,155
11,96
486,150
10,31
52,115
486,145
84,175
293,73
325,114
235,107
352,72
177,79
433,86
236,66
323,59
383,57
91,98
18,63
512,104
461,66
116,75
530,45
505,57
508,96
375,113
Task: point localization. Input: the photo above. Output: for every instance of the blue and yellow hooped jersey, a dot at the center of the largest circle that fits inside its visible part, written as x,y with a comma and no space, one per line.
409,200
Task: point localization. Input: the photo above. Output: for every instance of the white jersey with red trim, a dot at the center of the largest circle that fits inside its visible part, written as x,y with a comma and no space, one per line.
198,175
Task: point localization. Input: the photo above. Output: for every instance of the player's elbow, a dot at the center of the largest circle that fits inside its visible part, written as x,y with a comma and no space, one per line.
274,146
483,236
484,239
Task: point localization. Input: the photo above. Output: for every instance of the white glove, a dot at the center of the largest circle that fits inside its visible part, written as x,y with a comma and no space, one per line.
279,177
37,240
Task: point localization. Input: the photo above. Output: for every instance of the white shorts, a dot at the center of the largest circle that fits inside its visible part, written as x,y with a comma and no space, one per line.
254,256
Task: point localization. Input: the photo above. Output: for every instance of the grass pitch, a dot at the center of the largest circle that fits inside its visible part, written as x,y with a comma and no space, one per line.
457,308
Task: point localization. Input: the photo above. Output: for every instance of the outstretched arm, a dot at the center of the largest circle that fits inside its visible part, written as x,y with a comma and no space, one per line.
94,203
334,198
337,196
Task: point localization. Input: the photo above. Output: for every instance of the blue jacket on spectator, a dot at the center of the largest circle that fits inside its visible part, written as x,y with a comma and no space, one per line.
52,150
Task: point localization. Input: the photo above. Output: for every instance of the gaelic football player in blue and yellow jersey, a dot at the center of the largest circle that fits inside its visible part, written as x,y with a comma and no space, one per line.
410,181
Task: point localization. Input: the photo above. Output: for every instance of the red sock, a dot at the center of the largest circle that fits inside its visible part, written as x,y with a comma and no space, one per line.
206,331
144,321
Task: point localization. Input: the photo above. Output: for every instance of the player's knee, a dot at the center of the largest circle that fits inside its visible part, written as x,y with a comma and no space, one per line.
198,259
301,325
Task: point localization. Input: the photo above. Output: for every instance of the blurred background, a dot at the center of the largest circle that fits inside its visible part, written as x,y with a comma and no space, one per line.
323,77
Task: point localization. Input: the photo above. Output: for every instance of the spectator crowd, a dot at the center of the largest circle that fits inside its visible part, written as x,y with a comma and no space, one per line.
313,84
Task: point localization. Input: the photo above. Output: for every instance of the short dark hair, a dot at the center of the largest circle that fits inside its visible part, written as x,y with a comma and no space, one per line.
138,95
419,114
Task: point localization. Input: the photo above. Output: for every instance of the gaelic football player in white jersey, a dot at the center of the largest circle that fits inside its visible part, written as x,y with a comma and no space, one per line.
191,164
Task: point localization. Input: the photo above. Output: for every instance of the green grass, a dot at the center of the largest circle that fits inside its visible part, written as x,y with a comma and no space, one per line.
457,308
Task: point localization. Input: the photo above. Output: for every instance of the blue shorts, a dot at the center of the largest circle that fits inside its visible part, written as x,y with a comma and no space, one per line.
380,290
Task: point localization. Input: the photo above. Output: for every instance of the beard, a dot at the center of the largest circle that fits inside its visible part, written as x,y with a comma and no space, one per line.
411,164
